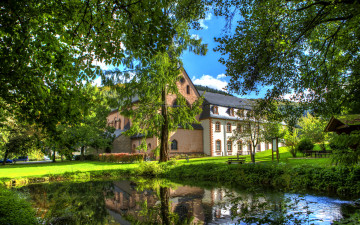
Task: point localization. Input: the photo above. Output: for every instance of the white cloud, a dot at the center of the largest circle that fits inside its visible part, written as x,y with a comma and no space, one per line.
97,81
195,36
222,75
202,21
102,65
209,81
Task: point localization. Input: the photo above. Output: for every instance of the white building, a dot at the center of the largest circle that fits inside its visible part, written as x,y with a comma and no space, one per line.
219,119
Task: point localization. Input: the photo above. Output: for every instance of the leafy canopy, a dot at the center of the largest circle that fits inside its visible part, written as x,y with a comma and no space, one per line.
306,48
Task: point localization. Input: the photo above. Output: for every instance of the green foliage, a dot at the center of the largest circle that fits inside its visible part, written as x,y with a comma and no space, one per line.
346,148
15,209
291,140
212,90
305,145
312,128
300,48
149,169
344,181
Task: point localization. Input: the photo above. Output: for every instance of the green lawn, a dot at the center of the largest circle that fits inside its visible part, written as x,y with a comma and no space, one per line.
44,169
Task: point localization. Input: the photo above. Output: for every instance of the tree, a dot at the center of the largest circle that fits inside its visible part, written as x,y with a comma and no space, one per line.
291,138
151,82
21,140
312,128
305,49
92,129
251,130
48,48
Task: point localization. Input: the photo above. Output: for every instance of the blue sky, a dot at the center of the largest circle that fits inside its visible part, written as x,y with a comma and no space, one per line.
206,70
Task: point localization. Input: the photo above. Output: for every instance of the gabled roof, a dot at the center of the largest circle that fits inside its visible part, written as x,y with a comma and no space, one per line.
227,101
340,122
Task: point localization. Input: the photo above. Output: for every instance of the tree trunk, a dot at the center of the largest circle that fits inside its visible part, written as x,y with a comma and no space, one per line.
252,151
54,160
164,147
82,153
164,196
5,156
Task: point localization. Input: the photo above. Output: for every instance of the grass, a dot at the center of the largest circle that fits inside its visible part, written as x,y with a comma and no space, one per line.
58,168
45,169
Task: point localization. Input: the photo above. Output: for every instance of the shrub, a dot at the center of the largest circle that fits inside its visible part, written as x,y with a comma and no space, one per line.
89,157
14,209
346,148
305,144
121,157
150,169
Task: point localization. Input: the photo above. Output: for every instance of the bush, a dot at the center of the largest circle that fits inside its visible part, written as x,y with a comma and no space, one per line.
305,144
346,148
14,209
89,157
121,157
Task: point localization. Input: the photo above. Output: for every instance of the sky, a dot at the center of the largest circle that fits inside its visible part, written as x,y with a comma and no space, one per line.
206,70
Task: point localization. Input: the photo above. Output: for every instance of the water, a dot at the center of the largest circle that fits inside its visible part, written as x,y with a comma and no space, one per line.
150,201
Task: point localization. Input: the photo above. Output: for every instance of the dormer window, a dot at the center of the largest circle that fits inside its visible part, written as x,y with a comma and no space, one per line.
216,110
241,112
187,89
231,111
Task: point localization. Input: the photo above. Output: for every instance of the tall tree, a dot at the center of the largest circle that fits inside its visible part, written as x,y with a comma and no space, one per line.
144,94
305,49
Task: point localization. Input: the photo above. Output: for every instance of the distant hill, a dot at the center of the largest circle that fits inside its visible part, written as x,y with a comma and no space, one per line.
208,89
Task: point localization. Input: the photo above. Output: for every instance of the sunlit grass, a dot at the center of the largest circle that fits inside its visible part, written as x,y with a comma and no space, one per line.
46,169
43,169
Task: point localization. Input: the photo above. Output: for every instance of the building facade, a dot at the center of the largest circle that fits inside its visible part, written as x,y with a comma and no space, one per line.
212,136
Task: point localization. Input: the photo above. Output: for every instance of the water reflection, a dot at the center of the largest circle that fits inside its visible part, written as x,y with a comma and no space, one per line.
158,202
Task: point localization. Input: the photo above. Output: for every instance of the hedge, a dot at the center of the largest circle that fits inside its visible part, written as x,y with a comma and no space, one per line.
121,157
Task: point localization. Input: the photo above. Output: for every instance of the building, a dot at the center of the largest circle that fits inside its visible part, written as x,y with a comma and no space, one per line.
211,137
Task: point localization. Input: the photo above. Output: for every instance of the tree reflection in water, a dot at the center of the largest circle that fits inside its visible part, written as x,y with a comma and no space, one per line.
161,202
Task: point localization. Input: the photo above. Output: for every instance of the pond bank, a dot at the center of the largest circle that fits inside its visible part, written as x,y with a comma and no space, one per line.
341,181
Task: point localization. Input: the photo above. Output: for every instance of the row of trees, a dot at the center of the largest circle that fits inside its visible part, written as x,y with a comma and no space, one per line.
88,128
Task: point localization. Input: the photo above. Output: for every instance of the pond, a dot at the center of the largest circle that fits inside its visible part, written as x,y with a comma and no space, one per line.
163,202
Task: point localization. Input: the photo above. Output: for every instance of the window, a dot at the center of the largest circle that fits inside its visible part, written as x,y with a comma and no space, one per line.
229,146
217,126
239,128
216,110
182,80
119,124
187,89
240,147
218,145
174,145
259,147
228,127
149,146
241,112
231,111
134,148
267,145
249,146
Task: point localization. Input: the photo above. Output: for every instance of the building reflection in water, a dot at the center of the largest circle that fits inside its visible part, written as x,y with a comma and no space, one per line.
192,204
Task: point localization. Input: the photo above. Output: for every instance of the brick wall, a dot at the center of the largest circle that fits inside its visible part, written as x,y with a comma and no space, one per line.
189,141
